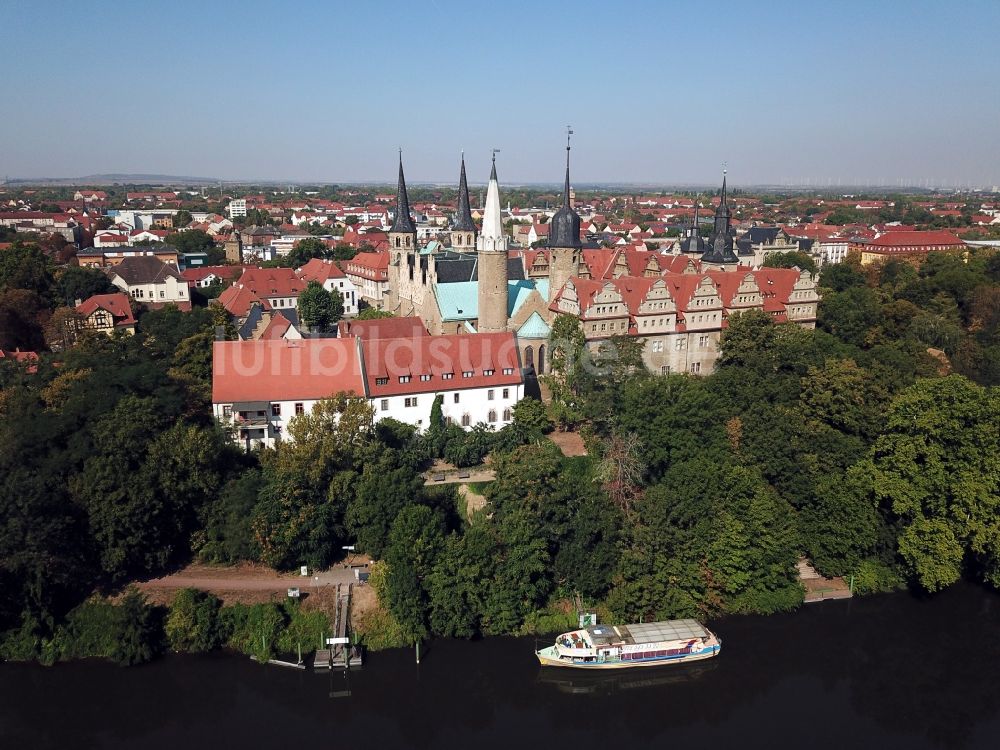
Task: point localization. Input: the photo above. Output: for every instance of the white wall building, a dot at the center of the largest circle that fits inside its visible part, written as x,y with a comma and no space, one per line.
259,386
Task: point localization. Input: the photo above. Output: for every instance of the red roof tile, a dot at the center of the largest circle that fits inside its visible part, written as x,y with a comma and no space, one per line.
285,370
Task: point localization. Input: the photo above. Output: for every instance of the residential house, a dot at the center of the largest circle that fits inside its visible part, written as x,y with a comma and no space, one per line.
106,313
151,281
329,274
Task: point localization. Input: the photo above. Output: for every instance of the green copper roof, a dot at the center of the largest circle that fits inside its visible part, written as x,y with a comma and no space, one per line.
518,291
432,247
534,328
459,300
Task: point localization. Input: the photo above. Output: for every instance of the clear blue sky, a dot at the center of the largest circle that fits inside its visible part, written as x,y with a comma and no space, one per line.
784,92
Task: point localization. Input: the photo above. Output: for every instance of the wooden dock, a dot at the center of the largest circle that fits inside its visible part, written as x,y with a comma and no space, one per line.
341,654
818,588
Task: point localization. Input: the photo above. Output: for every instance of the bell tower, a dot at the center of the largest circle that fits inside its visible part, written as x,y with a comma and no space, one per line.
491,251
463,229
564,238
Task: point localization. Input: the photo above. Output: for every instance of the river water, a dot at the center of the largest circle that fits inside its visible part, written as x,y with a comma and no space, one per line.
885,672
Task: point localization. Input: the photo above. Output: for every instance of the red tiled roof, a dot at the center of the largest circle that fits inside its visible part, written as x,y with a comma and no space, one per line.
915,239
318,269
271,282
237,301
434,356
277,327
284,370
382,328
116,304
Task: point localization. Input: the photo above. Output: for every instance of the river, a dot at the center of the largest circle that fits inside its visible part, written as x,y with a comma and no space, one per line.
884,672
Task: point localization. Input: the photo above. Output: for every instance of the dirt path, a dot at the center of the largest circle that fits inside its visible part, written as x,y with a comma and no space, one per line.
473,500
246,583
570,443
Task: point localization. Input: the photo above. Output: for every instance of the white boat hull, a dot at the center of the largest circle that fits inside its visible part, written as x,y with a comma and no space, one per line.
547,658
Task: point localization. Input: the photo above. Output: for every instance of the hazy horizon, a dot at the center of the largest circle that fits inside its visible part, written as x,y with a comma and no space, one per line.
895,94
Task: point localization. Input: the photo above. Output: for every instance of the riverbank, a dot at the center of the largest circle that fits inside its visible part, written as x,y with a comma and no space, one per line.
882,672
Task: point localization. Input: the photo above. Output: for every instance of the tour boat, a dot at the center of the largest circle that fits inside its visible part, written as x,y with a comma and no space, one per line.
648,644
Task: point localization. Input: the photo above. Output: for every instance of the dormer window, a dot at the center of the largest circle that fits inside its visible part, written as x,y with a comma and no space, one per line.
425,378
404,378
488,372
468,373
381,381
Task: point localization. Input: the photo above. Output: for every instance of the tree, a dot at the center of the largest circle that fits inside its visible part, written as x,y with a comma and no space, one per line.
415,542
304,250
373,313
193,623
793,259
318,308
25,266
78,283
935,472
182,218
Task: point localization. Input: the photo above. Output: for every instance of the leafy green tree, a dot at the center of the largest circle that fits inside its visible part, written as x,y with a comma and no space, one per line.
78,283
793,259
372,313
934,472
138,636
306,249
318,308
25,266
182,218
415,542
530,414
193,623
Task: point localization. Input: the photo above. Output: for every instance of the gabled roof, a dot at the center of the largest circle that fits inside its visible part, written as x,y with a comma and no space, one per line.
534,328
284,370
116,304
144,269
272,282
389,360
318,269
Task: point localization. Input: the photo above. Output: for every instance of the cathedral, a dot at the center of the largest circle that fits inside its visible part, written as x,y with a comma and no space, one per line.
677,304
479,285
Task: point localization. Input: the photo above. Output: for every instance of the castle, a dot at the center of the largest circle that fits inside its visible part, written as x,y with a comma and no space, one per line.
678,304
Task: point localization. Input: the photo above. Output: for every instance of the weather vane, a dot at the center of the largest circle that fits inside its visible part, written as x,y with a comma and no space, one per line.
569,132
495,152
724,169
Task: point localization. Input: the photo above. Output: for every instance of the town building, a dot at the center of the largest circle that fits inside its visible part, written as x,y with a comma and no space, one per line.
258,387
369,272
106,313
150,281
905,244
333,279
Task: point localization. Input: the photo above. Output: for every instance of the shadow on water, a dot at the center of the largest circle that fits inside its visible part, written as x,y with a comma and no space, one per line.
886,672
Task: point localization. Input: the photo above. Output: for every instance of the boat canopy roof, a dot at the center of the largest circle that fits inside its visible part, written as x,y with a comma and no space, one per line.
649,632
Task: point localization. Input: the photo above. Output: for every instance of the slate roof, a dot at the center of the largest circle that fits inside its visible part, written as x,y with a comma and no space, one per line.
144,269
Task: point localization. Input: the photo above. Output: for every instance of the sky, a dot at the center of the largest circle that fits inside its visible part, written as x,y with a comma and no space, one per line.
787,93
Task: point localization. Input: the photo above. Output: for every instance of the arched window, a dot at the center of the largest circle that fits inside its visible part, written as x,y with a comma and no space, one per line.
458,328
529,357
492,416
507,415
466,420
397,242
541,359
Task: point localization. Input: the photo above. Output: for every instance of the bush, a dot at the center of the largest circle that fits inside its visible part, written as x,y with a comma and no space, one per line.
874,577
253,629
193,623
306,629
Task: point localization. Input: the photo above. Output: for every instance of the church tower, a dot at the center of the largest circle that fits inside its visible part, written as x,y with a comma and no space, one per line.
463,229
720,245
491,250
402,247
564,240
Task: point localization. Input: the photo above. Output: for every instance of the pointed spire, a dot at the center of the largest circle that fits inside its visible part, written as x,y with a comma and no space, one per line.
463,217
564,229
492,221
566,188
403,221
